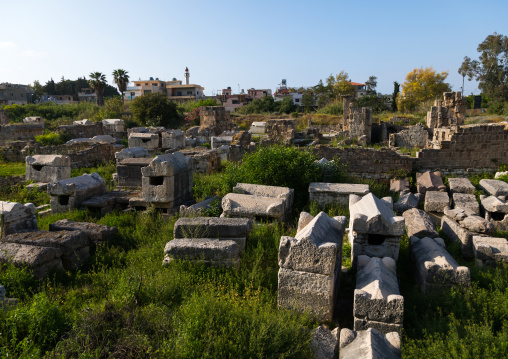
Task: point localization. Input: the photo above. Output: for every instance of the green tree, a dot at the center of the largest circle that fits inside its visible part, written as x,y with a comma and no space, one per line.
371,84
121,79
38,91
98,82
491,70
155,109
421,85
308,100
287,105
396,90
343,86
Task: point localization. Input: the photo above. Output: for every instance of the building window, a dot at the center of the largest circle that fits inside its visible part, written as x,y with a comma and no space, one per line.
297,100
154,84
146,83
179,93
146,91
236,102
138,84
189,92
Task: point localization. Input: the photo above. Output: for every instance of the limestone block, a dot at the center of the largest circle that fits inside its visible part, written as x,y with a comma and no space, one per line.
489,250
173,139
305,219
464,200
434,266
40,260
494,204
377,300
258,127
419,224
244,205
455,232
436,201
131,152
407,201
113,125
129,171
218,141
325,343
327,193
317,248
304,291
198,208
104,138
208,250
47,168
257,190
16,217
84,121
373,216
494,187
369,343
399,185
499,174
96,233
149,141
461,185
429,181
74,245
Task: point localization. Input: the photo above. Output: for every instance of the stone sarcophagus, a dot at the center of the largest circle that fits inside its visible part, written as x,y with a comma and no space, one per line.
48,168
128,171
16,217
172,139
167,180
68,194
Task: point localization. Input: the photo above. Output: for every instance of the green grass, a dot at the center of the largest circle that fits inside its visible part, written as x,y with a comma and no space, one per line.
12,169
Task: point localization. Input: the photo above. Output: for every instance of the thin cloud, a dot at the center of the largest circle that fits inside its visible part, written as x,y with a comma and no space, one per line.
33,53
7,45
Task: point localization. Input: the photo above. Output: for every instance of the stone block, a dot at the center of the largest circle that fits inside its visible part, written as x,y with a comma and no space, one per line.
429,181
198,208
96,233
258,127
407,201
434,266
369,343
149,141
219,141
131,152
208,250
494,187
285,193
419,224
461,185
74,245
490,250
494,204
455,232
436,201
47,168
244,205
16,217
377,300
325,343
399,185
335,193
172,139
104,138
129,171
464,200
40,260
304,219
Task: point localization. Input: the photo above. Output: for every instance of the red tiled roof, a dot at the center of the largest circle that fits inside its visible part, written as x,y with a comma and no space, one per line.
356,84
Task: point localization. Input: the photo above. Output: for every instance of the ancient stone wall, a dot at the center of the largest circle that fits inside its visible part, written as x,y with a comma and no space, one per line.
468,149
11,181
82,131
216,118
19,132
451,111
12,151
4,117
281,131
414,136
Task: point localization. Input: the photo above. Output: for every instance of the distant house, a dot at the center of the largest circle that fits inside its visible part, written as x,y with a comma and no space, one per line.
361,89
58,99
86,95
15,94
233,101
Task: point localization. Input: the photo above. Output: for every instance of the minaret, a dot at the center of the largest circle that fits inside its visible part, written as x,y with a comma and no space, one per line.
187,75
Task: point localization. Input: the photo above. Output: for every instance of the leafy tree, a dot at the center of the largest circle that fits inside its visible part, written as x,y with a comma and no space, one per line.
343,86
155,109
50,87
371,84
308,99
421,85
38,91
396,90
491,70
373,101
98,82
287,105
121,79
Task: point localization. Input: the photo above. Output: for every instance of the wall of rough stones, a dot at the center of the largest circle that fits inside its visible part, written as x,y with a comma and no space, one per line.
216,117
81,131
414,136
451,111
4,117
11,181
281,131
19,132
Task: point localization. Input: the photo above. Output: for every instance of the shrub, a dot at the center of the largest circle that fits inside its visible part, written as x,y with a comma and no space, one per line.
155,109
51,139
334,108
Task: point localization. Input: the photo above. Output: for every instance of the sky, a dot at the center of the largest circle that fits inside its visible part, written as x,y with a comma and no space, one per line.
244,44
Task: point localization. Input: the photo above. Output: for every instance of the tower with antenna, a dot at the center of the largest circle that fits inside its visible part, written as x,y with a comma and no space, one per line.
187,75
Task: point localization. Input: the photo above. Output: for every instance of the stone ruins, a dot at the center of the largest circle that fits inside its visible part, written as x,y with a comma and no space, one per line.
48,168
448,112
338,193
369,344
16,217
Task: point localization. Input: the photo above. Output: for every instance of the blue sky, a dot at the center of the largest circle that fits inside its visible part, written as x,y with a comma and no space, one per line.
244,44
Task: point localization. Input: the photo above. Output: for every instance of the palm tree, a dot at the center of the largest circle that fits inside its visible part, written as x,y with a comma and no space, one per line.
98,82
121,79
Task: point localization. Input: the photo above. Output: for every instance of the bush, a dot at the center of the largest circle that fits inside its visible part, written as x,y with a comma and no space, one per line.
334,108
155,109
51,139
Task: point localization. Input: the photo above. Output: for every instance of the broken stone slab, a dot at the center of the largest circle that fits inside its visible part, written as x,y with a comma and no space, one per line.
129,171
499,174
208,250
16,217
407,200
470,220
369,214
198,208
75,245
455,232
368,344
434,266
325,343
131,152
84,121
40,260
399,185
235,229
494,204
96,233
149,141
464,200
172,139
429,181
285,193
490,250
419,224
47,168
377,300
244,205
436,201
304,219
317,248
307,292
461,185
335,193
113,125
494,187
104,138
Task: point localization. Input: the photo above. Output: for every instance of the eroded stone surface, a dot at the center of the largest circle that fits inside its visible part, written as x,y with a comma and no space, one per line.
429,181
369,343
337,193
211,251
489,250
16,217
419,224
39,259
436,201
464,200
244,205
96,233
461,185
407,201
325,343
494,187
